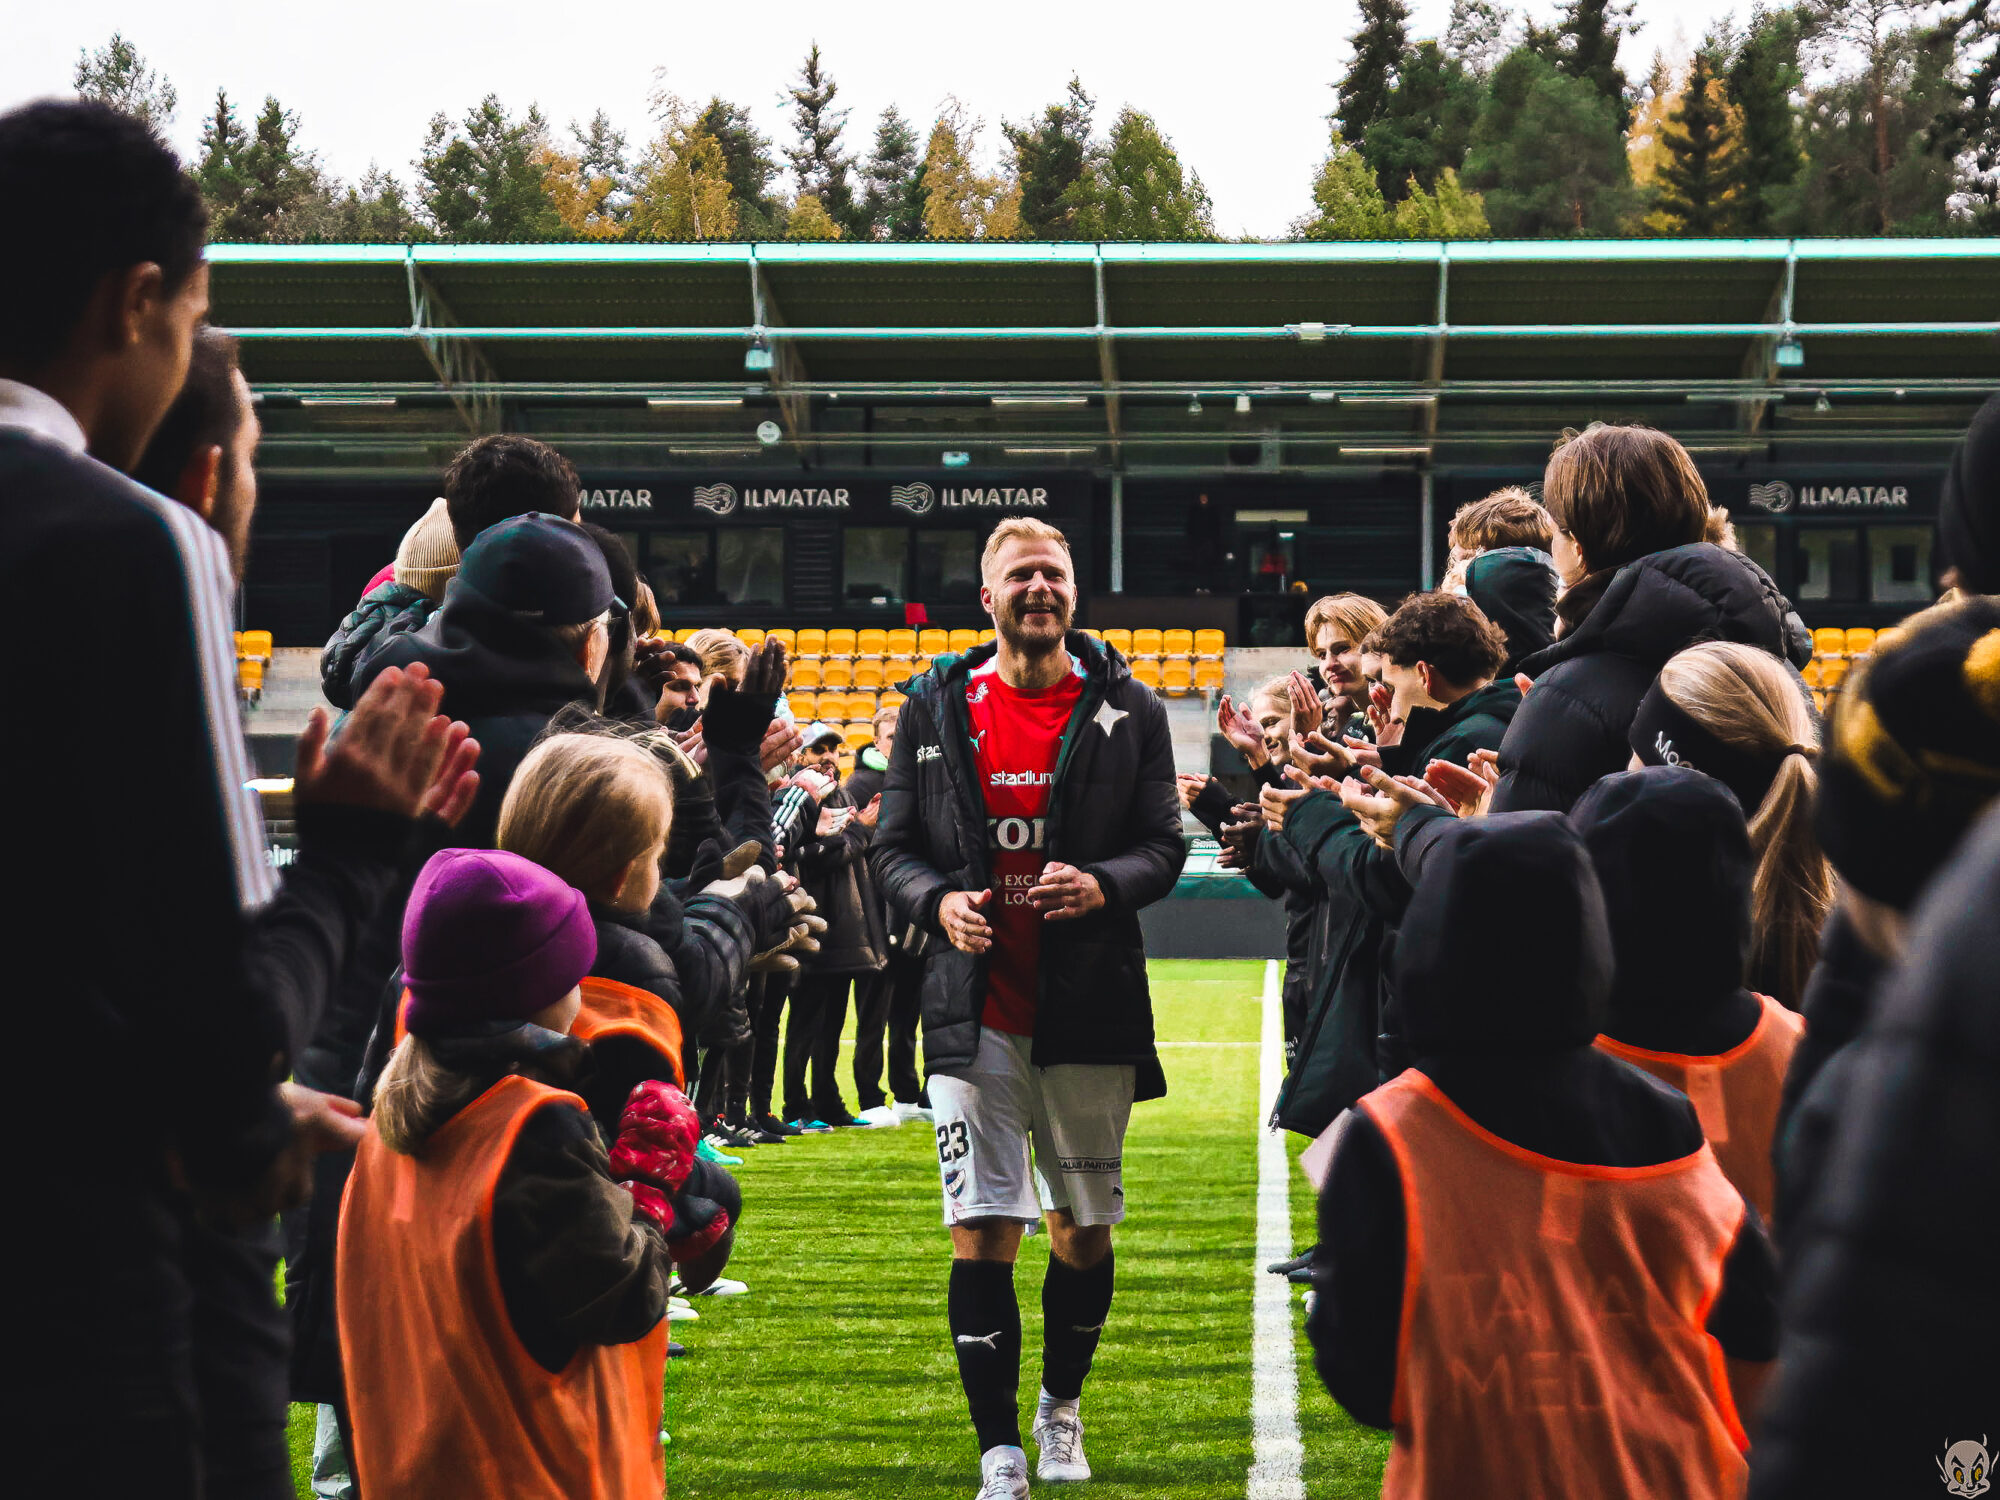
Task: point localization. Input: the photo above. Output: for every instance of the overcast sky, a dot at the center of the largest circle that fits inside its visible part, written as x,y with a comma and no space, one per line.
1241,90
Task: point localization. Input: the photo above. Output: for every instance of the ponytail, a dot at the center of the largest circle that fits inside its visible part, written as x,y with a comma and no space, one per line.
1743,697
415,1095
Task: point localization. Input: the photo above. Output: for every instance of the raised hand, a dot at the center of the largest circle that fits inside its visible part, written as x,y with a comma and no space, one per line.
1307,711
1236,726
395,751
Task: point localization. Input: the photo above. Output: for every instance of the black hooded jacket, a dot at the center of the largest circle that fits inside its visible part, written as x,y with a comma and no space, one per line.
1672,856
1572,728
1890,1296
1509,1044
1515,588
504,676
1113,813
1969,515
387,610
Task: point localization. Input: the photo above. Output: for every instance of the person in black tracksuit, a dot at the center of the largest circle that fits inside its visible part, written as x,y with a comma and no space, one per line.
887,1000
1515,588
1106,842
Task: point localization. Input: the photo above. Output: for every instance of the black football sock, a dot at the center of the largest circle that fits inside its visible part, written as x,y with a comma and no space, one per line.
986,1334
1074,1306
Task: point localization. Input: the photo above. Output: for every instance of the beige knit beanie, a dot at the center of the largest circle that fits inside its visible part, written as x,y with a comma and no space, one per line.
428,558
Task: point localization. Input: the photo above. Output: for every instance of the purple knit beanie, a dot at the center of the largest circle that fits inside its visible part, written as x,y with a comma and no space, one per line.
490,936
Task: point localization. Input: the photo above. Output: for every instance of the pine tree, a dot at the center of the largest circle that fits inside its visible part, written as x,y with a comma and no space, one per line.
1426,122
1698,177
817,160
809,220
746,160
683,191
1967,130
1584,45
115,74
374,211
959,199
483,180
1347,201
602,157
1548,155
219,172
1446,212
1138,189
1051,156
892,200
1762,77
1379,45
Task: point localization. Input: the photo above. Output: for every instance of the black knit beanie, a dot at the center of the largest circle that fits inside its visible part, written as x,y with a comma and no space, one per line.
1913,754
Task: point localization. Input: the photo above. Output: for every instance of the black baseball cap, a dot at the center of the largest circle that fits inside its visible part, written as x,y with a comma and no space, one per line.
540,567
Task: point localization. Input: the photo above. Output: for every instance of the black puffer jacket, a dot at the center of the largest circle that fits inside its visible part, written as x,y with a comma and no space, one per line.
1113,813
1572,728
1887,1352
386,610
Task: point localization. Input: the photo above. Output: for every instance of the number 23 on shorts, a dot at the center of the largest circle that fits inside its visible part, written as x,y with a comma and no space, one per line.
952,1144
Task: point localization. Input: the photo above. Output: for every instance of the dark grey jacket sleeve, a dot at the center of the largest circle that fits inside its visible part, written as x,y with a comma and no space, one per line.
897,856
1146,871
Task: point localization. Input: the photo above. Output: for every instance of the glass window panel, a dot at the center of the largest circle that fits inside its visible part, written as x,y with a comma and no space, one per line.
1829,563
1899,564
873,561
1760,545
680,567
750,565
948,567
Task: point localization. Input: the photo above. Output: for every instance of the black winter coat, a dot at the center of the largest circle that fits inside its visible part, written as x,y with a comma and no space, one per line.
1887,1353
835,874
386,610
1113,813
1572,728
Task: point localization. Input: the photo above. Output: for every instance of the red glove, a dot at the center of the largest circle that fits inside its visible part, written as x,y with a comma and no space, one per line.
696,1240
650,1201
656,1138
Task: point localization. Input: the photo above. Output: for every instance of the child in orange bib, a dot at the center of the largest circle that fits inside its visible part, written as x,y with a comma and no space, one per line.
1530,1266
502,1281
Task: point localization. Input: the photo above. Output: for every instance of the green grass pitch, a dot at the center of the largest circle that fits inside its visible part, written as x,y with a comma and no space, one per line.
835,1376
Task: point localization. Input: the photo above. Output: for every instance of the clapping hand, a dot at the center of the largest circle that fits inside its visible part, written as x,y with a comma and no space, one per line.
1236,726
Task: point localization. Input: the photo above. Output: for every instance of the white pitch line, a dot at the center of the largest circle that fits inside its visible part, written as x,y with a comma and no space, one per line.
1276,1454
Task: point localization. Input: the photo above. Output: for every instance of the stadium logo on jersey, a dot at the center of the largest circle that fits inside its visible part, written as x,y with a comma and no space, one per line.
1018,778
1775,497
917,499
1015,834
718,498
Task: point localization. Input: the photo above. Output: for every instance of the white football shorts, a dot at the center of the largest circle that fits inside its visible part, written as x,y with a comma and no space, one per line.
1073,1116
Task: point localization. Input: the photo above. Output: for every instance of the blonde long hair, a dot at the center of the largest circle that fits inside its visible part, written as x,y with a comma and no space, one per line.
415,1095
1745,699
584,806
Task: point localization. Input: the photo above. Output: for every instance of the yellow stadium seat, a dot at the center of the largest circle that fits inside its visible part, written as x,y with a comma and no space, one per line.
890,699
1811,673
686,635
860,706
859,735
985,636
869,674
257,644
1147,670
804,705
1146,643
837,672
964,640
806,675
237,636
812,643
871,642
1177,642
250,676
831,708
1209,643
1860,640
1829,640
845,766
931,642
1208,676
1119,640
919,664
840,643
750,636
898,669
902,642
1833,673
1095,635
1884,639
1177,676
786,638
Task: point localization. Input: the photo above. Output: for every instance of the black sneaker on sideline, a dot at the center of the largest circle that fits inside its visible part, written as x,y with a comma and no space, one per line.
1298,1262
752,1136
836,1115
770,1124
